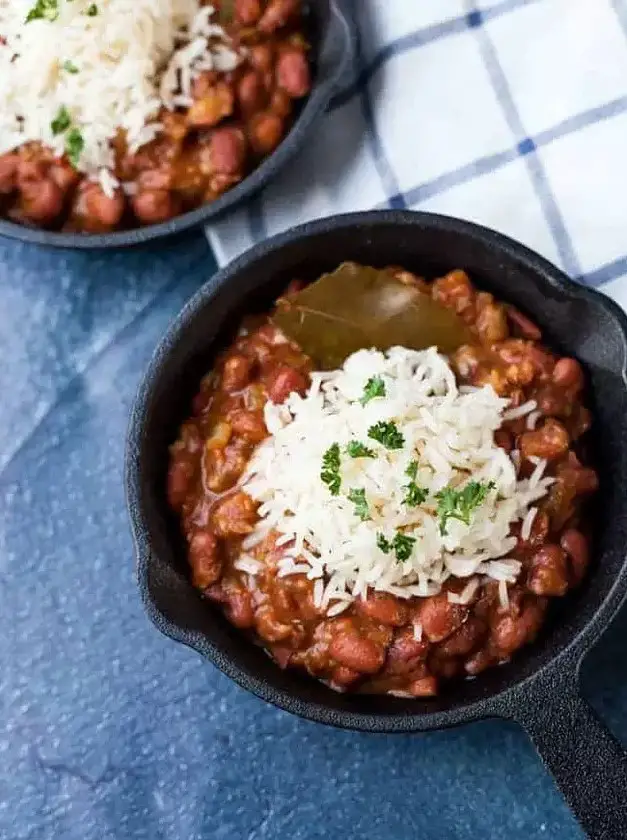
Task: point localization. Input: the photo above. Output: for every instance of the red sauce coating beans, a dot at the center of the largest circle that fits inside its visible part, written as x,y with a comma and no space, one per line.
371,647
236,119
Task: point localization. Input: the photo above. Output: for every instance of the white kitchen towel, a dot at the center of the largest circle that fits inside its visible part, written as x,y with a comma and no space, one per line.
511,113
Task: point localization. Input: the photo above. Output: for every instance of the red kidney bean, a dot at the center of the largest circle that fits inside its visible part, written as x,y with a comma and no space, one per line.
478,662
548,574
510,632
504,439
550,441
262,57
64,175
285,380
266,131
567,373
281,104
552,402
538,533
406,654
204,558
424,687
575,544
104,210
439,617
292,73
278,14
247,12
251,93
343,676
180,475
384,608
228,150
465,639
239,609
154,206
522,325
41,201
357,652
8,173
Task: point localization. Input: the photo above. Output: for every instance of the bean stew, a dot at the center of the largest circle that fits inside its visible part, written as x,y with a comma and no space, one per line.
373,646
236,119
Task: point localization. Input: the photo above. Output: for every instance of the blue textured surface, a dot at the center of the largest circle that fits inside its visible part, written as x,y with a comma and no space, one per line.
107,730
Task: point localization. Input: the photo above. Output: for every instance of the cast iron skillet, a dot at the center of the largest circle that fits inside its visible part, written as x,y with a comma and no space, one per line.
334,43
540,688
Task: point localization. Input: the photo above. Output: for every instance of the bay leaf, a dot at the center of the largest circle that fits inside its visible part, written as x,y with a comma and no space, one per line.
357,307
226,12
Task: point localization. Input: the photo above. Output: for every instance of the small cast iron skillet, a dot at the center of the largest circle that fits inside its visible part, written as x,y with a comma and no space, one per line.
333,39
540,688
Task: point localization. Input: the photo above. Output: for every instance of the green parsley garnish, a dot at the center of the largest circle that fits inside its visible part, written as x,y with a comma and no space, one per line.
387,434
74,145
62,121
459,504
69,67
383,543
374,387
356,449
403,546
43,10
92,10
330,474
414,495
358,498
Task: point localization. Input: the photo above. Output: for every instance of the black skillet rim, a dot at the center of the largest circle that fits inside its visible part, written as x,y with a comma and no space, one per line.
501,704
338,40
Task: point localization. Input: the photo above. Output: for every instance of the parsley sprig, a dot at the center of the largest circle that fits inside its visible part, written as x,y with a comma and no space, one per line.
358,497
43,10
374,387
74,145
330,473
356,449
69,67
74,142
414,494
460,504
62,121
402,545
387,434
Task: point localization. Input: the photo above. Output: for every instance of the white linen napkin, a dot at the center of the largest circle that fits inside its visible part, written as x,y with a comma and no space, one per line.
511,113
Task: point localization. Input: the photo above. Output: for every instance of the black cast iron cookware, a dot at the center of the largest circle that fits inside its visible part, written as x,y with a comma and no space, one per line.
540,688
333,39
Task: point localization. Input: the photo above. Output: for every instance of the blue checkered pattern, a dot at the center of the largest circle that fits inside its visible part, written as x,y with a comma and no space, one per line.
511,113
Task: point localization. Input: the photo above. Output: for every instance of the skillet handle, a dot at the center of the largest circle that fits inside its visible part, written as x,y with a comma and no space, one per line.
585,759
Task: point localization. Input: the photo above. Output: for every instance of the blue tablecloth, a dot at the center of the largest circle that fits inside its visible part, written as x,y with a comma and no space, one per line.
109,731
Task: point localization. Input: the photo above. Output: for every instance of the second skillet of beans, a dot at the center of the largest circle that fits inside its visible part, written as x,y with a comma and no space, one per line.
236,120
371,647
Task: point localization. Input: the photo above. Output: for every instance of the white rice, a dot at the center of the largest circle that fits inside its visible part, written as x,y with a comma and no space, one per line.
449,433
